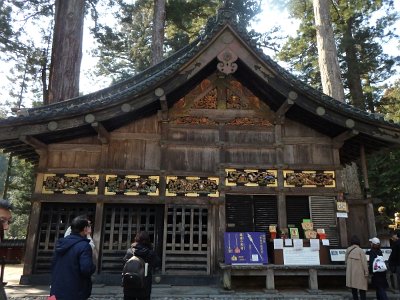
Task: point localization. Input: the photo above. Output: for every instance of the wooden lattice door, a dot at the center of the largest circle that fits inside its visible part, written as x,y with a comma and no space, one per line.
186,240
120,225
55,218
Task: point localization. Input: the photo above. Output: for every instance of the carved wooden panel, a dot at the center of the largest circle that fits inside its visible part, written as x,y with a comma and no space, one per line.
70,184
132,185
241,177
192,186
309,178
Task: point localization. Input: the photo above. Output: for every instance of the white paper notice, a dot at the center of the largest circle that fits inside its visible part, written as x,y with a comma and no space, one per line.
341,214
325,242
314,244
278,244
298,243
288,242
304,257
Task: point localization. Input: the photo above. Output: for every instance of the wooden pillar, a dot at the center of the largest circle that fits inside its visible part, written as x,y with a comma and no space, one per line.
31,237
97,230
370,207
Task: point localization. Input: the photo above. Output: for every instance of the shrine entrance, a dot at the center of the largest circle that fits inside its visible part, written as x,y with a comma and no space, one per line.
54,220
121,222
186,240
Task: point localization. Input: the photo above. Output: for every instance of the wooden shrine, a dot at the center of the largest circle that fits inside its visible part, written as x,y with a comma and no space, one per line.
215,138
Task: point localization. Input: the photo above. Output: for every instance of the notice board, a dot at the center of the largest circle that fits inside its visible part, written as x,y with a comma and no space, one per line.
245,248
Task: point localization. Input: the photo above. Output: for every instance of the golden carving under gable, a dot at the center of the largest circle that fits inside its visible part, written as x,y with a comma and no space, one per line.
209,101
215,97
194,120
250,121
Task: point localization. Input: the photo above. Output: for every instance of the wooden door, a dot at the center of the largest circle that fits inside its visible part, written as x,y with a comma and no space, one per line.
55,218
186,240
121,222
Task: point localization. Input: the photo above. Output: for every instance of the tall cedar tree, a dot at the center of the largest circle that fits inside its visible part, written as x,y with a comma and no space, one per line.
364,65
67,50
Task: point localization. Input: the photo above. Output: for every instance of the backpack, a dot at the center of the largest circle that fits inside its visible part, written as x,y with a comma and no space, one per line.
133,273
379,264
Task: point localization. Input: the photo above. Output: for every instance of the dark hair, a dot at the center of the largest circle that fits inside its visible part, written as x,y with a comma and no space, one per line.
355,240
143,238
78,224
397,233
5,204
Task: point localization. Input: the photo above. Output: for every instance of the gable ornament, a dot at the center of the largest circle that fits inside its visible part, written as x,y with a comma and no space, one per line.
227,63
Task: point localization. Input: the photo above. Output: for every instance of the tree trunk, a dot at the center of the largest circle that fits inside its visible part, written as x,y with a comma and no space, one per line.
353,72
158,32
66,53
327,55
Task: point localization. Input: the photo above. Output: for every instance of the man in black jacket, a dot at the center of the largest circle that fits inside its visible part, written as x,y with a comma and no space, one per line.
394,258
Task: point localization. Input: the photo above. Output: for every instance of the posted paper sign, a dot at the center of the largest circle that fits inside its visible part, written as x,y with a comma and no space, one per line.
303,257
314,244
245,248
278,244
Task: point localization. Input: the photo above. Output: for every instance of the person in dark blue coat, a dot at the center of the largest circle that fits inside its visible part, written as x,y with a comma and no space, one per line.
72,264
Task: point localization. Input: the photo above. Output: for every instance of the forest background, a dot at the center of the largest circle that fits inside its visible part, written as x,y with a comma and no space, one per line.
118,44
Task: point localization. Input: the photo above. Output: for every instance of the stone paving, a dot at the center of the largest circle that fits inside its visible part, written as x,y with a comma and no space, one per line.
168,292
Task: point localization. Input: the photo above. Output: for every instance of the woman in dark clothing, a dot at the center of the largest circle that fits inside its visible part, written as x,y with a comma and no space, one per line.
142,248
378,281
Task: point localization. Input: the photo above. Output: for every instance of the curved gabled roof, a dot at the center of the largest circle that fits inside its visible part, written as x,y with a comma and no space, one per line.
138,95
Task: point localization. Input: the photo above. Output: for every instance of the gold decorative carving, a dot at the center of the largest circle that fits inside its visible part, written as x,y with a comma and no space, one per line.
235,177
192,186
209,101
309,178
250,121
70,184
194,120
132,185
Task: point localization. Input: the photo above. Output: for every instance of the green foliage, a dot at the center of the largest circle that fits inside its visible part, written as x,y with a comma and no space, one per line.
384,168
384,179
390,103
359,25
124,47
25,52
19,193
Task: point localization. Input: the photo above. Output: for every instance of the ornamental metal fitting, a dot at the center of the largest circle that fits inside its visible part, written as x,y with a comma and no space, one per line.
227,63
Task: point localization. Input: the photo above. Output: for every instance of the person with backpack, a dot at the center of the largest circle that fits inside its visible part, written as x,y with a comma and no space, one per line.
378,280
72,265
140,260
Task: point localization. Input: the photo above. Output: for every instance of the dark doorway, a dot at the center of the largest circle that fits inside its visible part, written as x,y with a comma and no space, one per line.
121,222
55,218
251,213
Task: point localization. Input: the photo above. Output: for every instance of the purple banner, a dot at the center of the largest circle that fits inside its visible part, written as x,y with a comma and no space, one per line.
245,248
